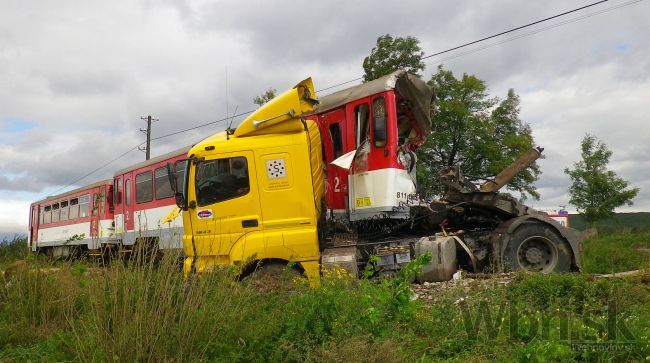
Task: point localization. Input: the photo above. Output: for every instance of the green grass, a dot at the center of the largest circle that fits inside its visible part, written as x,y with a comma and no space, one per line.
75,311
616,253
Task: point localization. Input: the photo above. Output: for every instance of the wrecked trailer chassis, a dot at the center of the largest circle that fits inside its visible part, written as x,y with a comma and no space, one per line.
473,228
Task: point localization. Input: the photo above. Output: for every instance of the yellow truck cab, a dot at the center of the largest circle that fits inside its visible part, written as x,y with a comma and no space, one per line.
254,194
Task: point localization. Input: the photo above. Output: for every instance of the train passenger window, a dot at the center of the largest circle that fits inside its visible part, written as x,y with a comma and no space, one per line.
117,192
380,128
55,212
337,142
361,116
47,218
143,187
163,188
84,205
74,208
127,192
221,179
64,211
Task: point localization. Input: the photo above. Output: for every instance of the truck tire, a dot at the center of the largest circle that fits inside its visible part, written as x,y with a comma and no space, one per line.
272,276
537,247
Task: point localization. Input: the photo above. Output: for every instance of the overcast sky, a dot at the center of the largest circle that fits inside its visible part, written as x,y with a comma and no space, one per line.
75,76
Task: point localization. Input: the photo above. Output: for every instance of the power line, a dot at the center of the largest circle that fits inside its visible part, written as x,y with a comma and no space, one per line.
449,50
202,125
425,57
515,29
339,84
97,169
532,32
138,147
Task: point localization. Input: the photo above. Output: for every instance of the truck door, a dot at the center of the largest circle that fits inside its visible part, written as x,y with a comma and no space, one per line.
224,202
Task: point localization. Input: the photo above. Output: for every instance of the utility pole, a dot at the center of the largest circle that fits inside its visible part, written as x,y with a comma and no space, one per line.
147,132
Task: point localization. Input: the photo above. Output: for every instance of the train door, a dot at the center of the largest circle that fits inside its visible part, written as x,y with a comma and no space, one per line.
118,205
33,233
94,214
98,210
128,202
337,178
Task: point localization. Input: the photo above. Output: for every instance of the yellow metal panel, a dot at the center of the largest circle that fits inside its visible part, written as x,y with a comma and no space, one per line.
281,114
302,241
291,244
316,161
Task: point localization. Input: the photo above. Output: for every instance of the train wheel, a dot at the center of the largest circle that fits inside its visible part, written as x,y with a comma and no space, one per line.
537,247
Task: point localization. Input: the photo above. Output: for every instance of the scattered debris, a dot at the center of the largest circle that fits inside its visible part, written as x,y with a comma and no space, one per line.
618,274
464,282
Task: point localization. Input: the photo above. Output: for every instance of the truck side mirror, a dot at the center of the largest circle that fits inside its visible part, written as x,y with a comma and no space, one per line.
180,201
171,175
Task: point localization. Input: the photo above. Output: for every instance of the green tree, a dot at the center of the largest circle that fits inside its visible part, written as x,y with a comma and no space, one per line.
479,132
265,97
392,54
594,190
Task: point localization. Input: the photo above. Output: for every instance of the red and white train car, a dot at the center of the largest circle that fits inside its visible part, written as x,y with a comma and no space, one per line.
376,126
143,198
121,212
79,218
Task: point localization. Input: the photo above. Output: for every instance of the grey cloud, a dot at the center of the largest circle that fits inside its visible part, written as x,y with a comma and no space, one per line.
21,183
83,83
87,72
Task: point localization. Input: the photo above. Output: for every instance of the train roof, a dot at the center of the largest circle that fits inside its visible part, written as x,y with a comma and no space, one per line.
157,159
74,191
408,85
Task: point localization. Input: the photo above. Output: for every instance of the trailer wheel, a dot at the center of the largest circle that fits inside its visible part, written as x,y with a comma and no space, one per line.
537,247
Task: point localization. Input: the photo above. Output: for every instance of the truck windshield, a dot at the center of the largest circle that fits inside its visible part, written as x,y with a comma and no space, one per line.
221,179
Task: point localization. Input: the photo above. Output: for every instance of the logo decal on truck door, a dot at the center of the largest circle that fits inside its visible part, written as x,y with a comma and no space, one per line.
276,168
204,214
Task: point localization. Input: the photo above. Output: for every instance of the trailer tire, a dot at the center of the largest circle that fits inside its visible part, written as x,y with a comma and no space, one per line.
537,247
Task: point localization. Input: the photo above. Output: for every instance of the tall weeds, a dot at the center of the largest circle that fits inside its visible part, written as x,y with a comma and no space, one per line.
142,310
11,250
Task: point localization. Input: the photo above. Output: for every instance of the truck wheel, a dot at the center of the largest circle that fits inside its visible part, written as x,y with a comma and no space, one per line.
272,276
537,247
